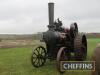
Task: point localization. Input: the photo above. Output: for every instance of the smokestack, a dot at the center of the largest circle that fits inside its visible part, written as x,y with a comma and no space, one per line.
51,15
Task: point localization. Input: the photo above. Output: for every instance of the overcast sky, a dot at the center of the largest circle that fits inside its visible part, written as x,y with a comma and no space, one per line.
31,16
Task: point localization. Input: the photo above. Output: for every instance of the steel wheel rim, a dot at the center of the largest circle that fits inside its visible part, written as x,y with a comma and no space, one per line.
61,53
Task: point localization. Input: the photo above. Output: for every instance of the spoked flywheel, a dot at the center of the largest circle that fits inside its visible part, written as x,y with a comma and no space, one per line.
38,57
80,47
61,56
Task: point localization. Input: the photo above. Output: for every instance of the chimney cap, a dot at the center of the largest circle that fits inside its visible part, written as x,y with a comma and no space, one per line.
50,3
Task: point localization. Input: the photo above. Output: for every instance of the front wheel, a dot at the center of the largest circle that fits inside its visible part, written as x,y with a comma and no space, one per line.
38,57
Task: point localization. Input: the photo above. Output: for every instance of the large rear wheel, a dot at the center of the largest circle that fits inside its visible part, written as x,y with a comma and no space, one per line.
61,56
80,47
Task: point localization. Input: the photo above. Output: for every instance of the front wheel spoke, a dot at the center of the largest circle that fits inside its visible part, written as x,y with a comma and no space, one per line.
39,62
35,54
42,60
36,63
40,50
43,54
34,57
34,60
37,50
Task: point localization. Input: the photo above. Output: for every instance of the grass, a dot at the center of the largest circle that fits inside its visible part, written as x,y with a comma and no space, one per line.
16,61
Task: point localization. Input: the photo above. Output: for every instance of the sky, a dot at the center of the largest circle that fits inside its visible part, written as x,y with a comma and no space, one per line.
31,16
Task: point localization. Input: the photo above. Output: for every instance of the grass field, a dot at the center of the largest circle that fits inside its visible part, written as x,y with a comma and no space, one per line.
16,61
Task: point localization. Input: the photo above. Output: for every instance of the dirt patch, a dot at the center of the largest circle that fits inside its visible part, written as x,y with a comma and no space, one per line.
16,43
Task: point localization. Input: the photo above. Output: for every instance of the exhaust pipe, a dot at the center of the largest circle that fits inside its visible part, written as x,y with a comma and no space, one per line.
51,16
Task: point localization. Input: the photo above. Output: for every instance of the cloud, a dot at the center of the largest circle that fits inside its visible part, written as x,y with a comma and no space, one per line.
31,16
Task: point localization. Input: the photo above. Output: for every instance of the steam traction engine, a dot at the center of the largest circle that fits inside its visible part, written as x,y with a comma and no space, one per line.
60,43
